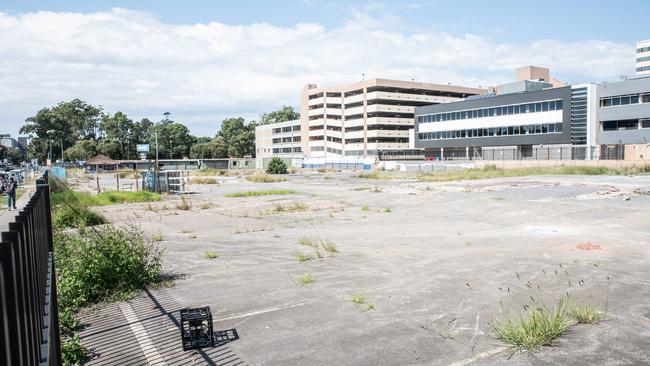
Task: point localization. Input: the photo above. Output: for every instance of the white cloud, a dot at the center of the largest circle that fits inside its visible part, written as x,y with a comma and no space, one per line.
132,61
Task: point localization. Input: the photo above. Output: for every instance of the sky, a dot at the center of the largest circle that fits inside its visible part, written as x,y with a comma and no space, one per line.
204,61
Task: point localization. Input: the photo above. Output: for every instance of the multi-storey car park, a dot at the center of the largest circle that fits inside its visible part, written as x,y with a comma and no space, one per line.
369,117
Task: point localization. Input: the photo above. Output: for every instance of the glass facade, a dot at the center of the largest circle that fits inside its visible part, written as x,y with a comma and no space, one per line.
545,106
536,129
624,100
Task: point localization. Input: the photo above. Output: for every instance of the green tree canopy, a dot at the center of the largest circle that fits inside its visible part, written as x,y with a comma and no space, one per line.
238,137
286,113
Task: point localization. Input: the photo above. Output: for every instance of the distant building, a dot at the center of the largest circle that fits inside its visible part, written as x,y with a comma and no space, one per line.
367,118
282,139
643,57
23,141
9,142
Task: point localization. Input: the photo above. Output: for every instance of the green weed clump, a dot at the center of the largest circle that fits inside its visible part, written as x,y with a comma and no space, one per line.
106,263
307,279
302,257
362,301
267,192
67,216
211,255
538,327
277,166
585,314
116,197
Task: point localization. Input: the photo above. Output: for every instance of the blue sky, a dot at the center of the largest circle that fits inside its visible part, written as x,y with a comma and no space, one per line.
207,60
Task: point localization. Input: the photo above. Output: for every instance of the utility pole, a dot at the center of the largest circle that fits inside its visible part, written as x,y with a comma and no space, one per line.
61,151
156,169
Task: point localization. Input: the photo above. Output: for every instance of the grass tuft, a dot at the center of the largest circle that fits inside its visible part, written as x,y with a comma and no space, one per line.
211,255
307,241
302,257
362,301
264,178
329,247
184,204
365,208
585,314
537,327
204,180
307,279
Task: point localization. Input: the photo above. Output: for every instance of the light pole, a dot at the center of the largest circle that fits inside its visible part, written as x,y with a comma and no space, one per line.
49,134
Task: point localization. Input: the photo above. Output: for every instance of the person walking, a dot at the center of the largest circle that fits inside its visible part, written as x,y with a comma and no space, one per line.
11,193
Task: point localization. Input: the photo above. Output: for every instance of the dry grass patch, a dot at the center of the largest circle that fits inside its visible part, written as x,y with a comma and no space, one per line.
204,180
268,192
264,178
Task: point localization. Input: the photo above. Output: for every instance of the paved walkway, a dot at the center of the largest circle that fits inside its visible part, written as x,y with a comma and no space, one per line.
7,216
146,331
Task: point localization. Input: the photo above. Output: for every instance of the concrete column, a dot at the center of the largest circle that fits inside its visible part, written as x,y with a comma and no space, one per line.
467,152
442,153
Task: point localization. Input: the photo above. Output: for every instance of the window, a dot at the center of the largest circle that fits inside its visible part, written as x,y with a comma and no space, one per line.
296,128
645,123
634,99
616,101
551,128
625,100
646,98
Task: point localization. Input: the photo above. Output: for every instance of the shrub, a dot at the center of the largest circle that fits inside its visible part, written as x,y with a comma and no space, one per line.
277,166
67,216
101,264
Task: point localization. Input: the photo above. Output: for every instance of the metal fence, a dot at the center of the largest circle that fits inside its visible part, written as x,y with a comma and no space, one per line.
29,324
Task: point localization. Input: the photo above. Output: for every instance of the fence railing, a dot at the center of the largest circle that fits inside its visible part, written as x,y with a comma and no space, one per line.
29,324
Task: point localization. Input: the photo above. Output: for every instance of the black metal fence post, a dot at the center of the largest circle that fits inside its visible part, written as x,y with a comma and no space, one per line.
29,328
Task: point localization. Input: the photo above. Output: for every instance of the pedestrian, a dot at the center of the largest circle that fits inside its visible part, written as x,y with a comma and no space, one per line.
11,193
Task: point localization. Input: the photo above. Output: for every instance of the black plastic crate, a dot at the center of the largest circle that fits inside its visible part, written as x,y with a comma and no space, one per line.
196,328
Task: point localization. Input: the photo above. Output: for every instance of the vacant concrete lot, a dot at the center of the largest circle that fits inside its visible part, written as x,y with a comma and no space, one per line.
432,265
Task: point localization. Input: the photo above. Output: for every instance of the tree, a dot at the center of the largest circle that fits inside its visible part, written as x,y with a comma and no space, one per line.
286,113
81,151
119,128
65,124
213,149
174,139
109,147
277,166
238,137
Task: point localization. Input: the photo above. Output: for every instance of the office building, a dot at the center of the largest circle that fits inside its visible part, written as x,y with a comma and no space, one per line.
282,139
366,118
643,57
624,119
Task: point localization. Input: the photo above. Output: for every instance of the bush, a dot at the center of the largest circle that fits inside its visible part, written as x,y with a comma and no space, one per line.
277,166
67,216
102,264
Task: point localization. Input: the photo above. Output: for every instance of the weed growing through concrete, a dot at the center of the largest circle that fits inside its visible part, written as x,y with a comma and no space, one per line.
264,178
387,210
365,208
538,327
204,180
376,190
192,236
362,301
205,206
302,257
329,247
184,204
157,237
307,279
307,241
468,243
151,208
294,207
585,314
211,255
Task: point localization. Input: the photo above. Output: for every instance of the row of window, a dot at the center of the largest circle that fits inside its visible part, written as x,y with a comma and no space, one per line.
324,116
643,59
624,100
286,129
334,151
334,139
642,68
286,139
285,150
643,49
545,106
537,129
626,124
